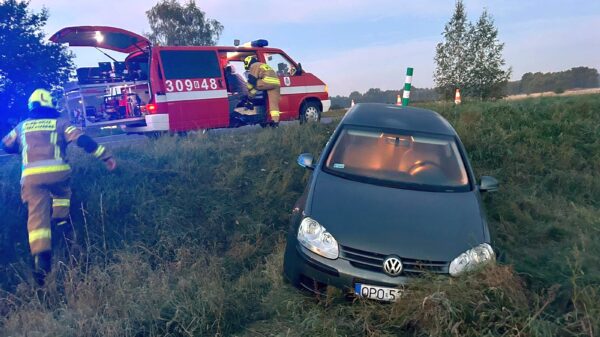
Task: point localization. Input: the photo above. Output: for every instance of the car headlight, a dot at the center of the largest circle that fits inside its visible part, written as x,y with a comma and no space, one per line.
471,259
315,238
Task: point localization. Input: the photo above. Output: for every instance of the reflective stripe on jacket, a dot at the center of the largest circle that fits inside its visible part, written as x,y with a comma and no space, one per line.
263,72
42,143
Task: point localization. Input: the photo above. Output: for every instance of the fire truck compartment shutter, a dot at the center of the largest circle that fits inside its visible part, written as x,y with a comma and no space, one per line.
102,37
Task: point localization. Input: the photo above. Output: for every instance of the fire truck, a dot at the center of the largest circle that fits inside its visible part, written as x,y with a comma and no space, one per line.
178,89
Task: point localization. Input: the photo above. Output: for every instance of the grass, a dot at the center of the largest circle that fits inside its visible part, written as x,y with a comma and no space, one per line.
186,238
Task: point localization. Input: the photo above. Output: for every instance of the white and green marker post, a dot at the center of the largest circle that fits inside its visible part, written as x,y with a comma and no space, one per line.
407,82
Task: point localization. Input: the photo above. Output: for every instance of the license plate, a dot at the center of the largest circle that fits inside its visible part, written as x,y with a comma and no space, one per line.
377,292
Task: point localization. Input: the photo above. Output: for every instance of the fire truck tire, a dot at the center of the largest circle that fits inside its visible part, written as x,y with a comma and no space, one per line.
269,124
310,113
154,134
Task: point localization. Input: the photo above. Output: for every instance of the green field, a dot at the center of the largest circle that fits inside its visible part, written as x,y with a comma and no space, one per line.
186,238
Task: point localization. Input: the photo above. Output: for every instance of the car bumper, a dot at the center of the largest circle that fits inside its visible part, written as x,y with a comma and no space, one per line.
314,270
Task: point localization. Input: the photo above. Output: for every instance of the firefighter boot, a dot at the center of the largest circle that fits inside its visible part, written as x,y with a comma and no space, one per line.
42,264
66,246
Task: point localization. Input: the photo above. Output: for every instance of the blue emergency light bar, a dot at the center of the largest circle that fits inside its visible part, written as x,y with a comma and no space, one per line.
259,43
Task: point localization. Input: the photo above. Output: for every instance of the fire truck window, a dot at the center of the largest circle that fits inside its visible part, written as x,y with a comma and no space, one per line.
182,64
281,65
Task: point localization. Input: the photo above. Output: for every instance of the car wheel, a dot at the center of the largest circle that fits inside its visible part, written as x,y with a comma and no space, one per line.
291,275
311,112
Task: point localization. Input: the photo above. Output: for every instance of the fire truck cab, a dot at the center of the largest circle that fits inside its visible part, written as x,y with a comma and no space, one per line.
162,88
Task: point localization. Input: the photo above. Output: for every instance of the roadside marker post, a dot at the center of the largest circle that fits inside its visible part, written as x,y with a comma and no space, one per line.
407,83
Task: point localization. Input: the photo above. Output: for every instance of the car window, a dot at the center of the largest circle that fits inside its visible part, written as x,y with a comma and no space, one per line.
399,159
281,65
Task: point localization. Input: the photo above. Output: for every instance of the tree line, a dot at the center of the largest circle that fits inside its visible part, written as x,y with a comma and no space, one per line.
376,95
574,78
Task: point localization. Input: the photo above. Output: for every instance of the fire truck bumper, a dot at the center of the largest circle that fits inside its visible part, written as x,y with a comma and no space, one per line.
155,122
326,105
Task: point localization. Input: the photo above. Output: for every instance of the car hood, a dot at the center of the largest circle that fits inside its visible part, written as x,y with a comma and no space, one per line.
422,225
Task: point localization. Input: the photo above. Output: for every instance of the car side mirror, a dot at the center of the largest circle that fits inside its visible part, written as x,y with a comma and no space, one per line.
488,184
306,160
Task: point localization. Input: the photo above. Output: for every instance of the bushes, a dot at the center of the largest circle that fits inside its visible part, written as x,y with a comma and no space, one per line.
185,239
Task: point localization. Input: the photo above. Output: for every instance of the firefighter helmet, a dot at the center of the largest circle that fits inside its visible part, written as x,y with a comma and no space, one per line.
40,98
249,60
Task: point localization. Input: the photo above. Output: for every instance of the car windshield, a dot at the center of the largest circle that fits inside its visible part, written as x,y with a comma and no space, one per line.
403,160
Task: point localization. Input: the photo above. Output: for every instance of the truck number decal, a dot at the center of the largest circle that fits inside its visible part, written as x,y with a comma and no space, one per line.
179,85
191,85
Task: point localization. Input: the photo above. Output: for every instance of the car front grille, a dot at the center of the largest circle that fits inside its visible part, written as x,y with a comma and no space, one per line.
374,262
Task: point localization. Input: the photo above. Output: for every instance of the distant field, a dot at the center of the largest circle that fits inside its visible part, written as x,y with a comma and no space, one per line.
186,238
553,94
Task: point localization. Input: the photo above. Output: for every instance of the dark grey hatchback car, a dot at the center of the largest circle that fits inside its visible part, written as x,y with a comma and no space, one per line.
392,196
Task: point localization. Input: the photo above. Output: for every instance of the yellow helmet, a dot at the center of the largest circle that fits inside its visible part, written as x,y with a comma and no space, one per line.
40,98
249,60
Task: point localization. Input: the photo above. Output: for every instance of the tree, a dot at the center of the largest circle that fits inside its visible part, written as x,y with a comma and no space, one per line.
173,24
451,68
27,61
485,77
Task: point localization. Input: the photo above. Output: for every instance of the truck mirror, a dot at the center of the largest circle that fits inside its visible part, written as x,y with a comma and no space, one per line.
299,70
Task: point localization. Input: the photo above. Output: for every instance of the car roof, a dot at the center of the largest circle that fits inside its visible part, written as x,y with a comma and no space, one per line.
398,117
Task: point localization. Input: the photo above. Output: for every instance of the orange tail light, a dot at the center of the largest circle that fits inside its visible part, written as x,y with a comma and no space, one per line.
151,108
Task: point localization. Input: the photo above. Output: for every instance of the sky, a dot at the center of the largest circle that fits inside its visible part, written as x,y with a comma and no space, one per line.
361,44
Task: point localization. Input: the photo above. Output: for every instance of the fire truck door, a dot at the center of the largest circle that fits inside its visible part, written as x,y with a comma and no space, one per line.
285,69
195,90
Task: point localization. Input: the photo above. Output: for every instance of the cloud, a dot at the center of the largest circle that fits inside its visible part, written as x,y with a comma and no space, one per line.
553,45
314,11
123,14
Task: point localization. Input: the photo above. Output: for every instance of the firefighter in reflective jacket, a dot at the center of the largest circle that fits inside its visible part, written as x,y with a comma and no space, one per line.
42,140
262,77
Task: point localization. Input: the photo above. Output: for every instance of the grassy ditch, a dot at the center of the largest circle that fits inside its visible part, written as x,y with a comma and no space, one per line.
186,238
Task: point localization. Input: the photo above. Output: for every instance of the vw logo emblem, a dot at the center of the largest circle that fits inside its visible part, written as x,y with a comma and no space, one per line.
392,266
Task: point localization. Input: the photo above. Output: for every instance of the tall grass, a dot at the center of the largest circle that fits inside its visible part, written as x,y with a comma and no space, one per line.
186,238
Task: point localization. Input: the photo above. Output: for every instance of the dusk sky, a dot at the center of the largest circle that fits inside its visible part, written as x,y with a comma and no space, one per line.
359,44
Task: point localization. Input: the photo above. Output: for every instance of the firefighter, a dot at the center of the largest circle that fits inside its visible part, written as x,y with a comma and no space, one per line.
42,140
262,77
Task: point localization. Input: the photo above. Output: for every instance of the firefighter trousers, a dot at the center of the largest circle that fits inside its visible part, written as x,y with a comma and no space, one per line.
48,199
273,95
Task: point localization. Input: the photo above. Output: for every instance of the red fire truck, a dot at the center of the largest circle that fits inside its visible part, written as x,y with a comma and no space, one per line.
162,88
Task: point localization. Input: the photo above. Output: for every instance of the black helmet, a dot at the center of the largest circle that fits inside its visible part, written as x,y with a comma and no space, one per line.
249,60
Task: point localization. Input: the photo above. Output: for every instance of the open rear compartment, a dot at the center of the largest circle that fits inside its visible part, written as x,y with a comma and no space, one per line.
112,93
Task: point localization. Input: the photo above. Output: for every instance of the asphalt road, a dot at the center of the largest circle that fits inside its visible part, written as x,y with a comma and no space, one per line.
124,139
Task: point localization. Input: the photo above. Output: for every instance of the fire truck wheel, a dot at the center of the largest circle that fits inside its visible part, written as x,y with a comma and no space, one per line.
154,134
310,112
269,124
